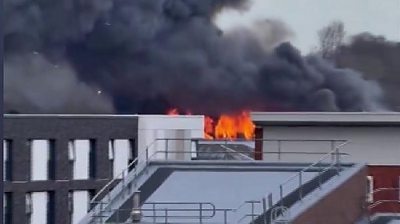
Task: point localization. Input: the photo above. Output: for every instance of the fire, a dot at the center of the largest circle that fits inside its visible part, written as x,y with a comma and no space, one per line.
173,111
228,126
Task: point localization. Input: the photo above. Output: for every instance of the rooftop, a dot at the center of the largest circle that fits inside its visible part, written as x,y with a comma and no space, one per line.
326,118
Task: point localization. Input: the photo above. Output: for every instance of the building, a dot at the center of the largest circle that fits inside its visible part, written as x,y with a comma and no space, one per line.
372,138
54,164
97,168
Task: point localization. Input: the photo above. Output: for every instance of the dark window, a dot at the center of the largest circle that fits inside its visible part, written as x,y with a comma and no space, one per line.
92,159
92,193
7,166
28,207
7,212
132,154
52,159
70,204
51,207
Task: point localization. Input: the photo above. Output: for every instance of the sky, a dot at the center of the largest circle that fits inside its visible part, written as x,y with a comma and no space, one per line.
306,17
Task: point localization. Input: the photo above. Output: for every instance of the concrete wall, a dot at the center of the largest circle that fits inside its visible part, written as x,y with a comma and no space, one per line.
374,145
152,127
344,205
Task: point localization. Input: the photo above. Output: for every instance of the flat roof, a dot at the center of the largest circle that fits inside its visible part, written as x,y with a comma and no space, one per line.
93,115
326,118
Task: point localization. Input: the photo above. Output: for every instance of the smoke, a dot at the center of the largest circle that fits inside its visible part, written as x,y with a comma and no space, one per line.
377,58
33,84
148,55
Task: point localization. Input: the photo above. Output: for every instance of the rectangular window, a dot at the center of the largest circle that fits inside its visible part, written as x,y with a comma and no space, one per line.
37,207
79,205
132,154
42,159
50,207
92,159
80,153
70,204
120,153
51,162
7,144
7,202
370,189
28,207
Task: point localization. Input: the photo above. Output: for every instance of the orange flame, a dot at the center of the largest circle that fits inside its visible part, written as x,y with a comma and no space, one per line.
227,126
173,111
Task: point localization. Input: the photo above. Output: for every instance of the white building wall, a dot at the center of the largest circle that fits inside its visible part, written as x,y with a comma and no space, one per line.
39,207
373,145
40,153
182,128
80,205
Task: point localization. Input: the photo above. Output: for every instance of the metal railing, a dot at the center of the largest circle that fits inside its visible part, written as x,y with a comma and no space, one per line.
168,150
388,200
100,201
186,212
330,161
252,214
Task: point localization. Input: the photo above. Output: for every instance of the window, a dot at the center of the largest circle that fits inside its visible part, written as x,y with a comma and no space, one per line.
28,206
7,160
79,205
70,204
121,153
81,155
50,207
370,189
7,202
38,207
42,159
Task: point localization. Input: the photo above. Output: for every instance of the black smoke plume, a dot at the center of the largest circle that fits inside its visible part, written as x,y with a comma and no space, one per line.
378,59
145,56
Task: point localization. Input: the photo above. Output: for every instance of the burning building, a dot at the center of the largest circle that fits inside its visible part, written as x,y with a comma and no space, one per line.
304,163
146,57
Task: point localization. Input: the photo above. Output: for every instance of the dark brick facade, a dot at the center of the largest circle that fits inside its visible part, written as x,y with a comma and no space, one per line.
19,129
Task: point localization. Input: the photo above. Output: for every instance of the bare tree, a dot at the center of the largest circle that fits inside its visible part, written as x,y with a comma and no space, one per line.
330,38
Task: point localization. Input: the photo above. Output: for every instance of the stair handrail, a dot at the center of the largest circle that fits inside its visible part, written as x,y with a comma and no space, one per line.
334,162
381,201
385,189
121,176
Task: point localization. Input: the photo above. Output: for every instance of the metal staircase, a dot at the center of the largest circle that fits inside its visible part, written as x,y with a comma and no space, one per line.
108,202
122,187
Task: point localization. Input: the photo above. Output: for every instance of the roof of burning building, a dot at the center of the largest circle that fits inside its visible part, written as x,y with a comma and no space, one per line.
326,118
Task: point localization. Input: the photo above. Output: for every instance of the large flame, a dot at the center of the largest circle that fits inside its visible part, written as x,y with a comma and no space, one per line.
228,126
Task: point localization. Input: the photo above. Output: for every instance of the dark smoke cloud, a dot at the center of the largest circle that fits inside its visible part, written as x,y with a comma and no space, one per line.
378,59
149,55
35,85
